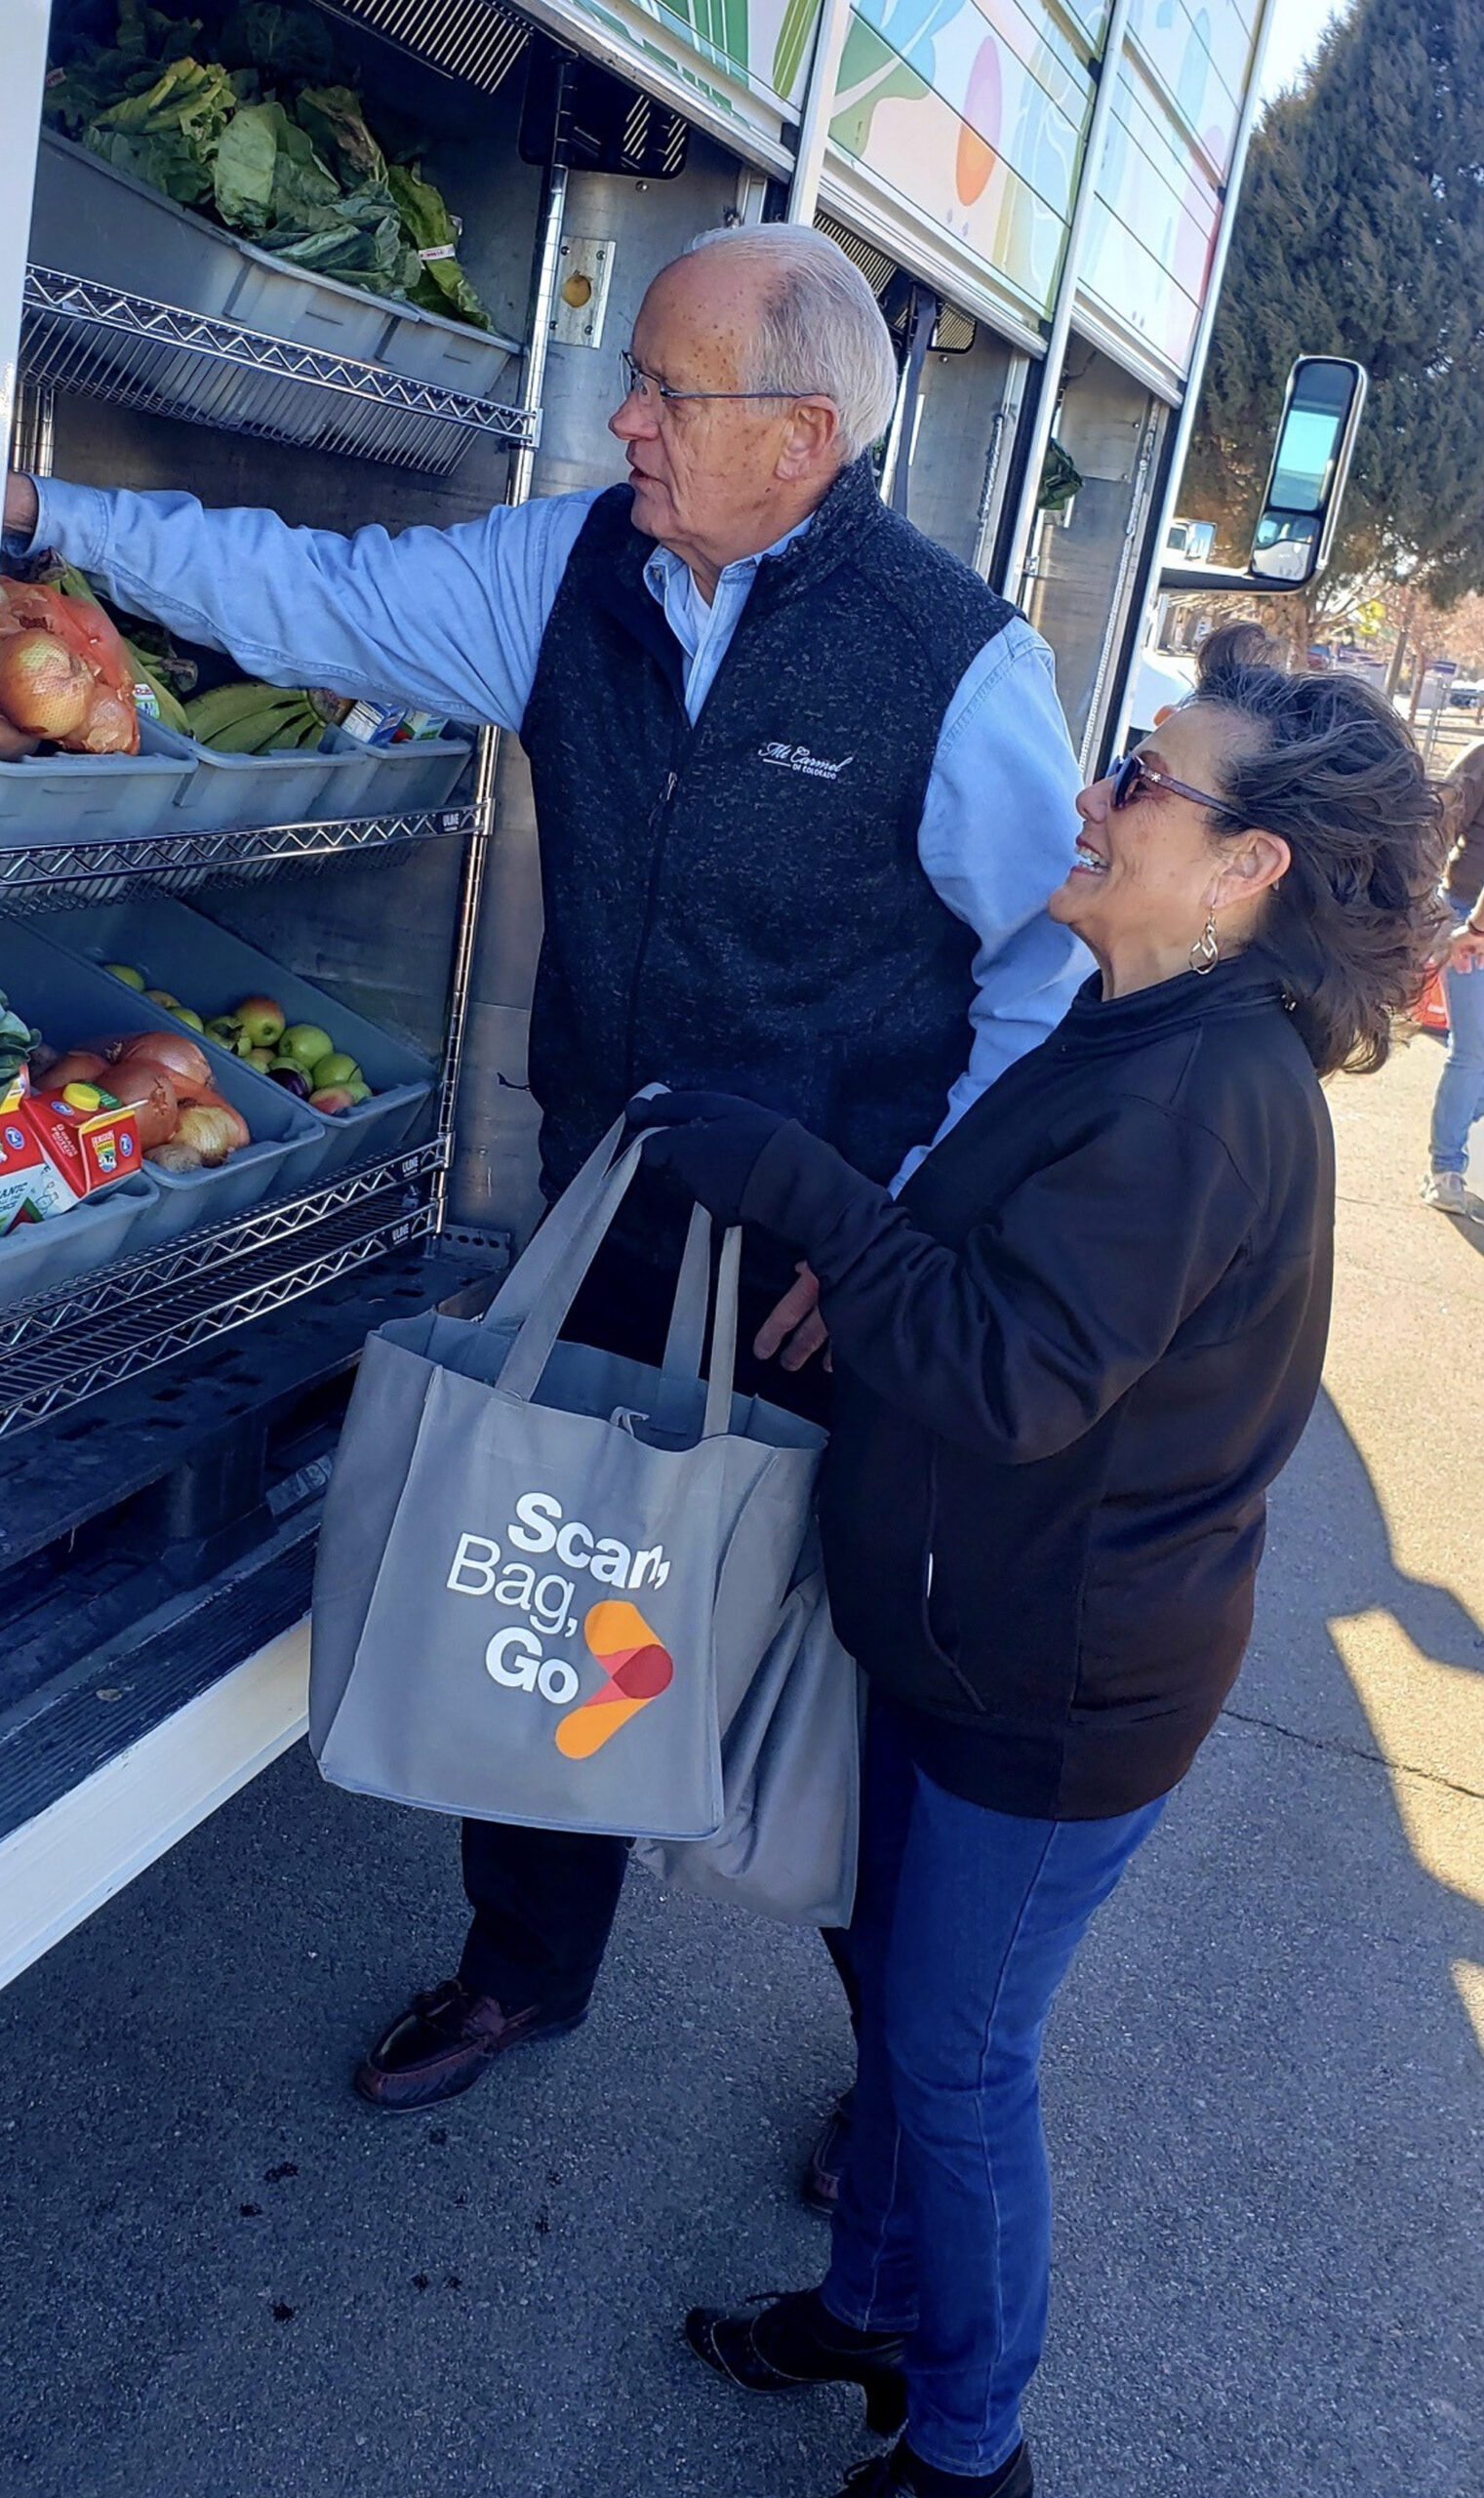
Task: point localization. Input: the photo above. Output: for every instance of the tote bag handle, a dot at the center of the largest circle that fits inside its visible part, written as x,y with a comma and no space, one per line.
543,1284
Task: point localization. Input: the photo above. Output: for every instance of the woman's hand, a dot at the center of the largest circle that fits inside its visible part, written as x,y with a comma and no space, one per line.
1465,950
707,1142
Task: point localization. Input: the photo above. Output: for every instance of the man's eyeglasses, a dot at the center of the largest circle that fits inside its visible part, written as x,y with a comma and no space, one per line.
1131,774
650,393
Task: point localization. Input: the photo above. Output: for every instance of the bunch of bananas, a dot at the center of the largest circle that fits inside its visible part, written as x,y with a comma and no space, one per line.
255,719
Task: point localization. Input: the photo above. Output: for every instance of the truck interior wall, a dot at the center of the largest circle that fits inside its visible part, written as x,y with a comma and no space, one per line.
494,1180
961,395
1082,557
376,934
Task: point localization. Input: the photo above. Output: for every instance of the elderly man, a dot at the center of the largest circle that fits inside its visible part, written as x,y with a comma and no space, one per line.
802,786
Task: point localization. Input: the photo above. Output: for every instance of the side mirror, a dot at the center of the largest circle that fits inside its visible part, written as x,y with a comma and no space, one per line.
1311,460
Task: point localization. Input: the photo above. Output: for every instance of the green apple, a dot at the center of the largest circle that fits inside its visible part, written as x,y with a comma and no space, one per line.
126,971
306,1043
360,1091
263,1020
224,1028
261,1057
163,997
186,1015
336,1068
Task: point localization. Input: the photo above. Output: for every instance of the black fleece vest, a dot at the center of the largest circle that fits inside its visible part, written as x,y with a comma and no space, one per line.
741,904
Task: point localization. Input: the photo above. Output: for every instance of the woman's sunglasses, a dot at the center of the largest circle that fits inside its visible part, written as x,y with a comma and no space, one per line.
1131,774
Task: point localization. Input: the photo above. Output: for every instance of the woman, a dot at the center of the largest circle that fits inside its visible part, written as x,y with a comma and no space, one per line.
1069,1361
1459,1098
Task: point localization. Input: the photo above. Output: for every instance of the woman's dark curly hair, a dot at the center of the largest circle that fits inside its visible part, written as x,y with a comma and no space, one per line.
1352,925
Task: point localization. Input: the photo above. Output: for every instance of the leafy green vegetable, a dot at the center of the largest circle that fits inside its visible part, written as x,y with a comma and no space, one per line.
168,134
287,45
441,285
334,121
267,172
267,140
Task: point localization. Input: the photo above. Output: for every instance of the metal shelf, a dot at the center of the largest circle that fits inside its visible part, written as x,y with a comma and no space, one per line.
62,1348
78,335
205,1253
63,874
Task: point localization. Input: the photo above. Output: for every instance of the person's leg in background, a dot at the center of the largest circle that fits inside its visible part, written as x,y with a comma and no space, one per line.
947,2189
1459,1097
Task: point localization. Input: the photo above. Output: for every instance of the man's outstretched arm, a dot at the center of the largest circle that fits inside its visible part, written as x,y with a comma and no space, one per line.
448,618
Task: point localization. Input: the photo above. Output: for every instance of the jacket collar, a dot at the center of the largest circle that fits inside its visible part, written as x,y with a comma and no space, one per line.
838,525
1243,984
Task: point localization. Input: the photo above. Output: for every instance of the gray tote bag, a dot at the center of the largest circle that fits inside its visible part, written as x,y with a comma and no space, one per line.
540,1564
791,1754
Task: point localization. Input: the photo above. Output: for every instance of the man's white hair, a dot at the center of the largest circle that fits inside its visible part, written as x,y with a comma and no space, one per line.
821,330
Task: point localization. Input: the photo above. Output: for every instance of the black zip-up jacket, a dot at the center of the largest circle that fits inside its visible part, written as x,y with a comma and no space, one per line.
1069,1363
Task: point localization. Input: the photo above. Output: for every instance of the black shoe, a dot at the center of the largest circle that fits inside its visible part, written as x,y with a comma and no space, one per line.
821,2185
447,2040
899,2474
795,2341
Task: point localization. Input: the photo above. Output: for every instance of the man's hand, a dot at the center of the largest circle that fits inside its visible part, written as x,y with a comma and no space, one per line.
796,1325
1466,951
23,506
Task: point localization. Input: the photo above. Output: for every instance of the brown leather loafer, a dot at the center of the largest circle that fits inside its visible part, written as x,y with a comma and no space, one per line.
819,2186
447,2040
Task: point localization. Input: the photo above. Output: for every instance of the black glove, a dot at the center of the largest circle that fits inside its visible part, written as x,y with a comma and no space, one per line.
707,1143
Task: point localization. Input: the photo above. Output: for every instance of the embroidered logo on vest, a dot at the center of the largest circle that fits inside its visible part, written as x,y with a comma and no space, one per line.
797,759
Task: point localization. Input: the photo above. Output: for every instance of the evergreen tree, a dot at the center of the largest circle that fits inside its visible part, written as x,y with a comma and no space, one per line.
1360,232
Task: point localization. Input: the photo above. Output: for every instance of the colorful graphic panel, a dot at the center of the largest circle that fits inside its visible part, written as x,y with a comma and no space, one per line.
1152,225
766,44
1200,55
973,111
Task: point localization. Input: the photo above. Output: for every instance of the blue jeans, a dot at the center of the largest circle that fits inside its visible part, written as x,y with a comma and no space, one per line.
965,1925
1459,1097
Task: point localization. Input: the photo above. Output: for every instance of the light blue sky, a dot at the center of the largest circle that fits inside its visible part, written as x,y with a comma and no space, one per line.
1298,25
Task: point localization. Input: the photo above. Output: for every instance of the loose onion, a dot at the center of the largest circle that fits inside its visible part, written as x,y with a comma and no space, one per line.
213,1132
111,727
174,1050
174,1158
180,1085
147,1091
77,1066
207,1100
44,689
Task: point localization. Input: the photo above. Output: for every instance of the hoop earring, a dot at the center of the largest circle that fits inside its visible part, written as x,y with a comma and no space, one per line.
1205,953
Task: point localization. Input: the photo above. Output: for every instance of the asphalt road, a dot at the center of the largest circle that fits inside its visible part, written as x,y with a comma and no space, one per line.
224,2278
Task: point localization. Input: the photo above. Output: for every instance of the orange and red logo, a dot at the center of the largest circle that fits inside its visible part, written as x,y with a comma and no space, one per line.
638,1669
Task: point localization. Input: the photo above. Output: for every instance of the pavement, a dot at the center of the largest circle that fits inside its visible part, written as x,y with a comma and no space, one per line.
224,2278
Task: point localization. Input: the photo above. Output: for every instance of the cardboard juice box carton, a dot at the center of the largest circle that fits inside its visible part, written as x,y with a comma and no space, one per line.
57,1148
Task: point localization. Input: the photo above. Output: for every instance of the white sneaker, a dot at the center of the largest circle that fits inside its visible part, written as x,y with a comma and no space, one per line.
1446,1190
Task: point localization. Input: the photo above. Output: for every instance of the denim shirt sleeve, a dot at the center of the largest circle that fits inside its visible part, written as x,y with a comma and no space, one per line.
997,835
450,620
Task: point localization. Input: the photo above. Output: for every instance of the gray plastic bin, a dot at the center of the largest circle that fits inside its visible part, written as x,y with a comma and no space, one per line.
430,347
210,970
407,780
313,310
94,1232
91,797
248,792
74,1003
93,221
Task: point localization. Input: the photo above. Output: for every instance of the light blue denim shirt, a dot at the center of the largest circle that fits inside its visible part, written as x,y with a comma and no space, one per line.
451,619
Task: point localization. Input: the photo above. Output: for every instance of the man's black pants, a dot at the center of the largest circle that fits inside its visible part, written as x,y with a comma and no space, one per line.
543,1901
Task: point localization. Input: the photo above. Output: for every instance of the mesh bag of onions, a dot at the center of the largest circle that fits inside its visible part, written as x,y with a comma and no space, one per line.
65,676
